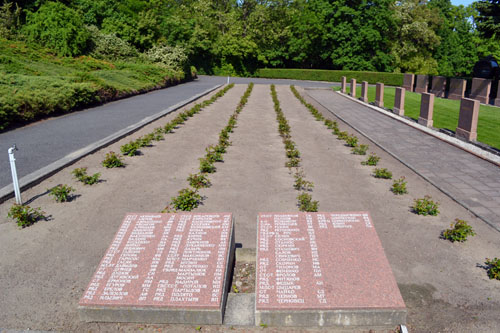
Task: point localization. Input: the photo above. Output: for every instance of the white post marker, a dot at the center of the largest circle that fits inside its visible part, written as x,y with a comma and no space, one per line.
228,79
15,182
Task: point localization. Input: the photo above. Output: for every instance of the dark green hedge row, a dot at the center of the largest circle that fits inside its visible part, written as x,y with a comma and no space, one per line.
390,79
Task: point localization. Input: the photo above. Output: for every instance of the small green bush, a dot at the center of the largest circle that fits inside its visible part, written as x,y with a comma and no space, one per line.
292,153
352,141
81,175
493,267
187,200
342,135
206,166
399,186
144,141
425,206
213,154
301,184
219,149
158,136
331,124
61,193
289,144
306,204
371,160
169,128
224,142
292,162
130,149
25,215
360,150
459,231
382,173
198,180
112,160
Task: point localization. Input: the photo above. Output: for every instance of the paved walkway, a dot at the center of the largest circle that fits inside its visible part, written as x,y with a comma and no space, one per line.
470,180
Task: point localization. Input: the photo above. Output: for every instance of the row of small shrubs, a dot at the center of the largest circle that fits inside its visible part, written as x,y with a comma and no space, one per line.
189,198
26,215
389,79
133,147
459,231
305,201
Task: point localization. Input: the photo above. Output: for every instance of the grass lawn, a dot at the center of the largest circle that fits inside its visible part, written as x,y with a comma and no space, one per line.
445,113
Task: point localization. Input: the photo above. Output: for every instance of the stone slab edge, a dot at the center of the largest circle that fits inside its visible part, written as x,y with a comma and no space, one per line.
36,177
240,310
164,315
426,130
341,318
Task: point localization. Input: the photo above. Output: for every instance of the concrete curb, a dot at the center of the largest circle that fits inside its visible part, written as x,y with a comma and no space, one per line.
491,224
36,177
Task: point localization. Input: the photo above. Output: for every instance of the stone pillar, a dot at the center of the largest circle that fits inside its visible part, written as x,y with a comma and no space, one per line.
353,88
343,84
379,95
426,109
497,99
467,120
408,81
457,89
422,84
399,102
481,90
364,91
438,86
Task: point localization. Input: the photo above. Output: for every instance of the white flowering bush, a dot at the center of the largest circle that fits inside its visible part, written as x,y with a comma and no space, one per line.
174,57
109,46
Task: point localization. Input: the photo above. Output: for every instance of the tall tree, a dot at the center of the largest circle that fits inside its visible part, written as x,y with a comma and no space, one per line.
457,52
488,18
416,37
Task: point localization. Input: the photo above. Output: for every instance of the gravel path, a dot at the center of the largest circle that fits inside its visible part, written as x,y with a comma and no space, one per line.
253,177
45,268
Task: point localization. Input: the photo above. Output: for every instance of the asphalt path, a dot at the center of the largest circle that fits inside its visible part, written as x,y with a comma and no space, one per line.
42,143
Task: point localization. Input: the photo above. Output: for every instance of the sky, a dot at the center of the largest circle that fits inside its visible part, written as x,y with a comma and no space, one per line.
461,2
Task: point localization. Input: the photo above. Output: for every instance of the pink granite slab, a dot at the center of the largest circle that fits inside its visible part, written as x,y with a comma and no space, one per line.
322,261
164,260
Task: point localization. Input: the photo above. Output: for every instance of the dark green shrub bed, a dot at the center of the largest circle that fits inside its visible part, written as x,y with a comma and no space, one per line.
390,79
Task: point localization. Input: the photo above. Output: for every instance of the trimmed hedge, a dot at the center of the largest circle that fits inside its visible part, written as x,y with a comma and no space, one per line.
390,79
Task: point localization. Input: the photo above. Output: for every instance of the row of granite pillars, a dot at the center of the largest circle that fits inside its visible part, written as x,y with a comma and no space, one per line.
467,119
480,88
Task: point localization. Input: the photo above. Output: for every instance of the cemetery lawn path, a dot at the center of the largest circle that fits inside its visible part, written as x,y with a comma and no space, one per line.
253,177
45,268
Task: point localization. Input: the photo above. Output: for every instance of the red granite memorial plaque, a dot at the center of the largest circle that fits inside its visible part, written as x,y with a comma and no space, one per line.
324,269
163,268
